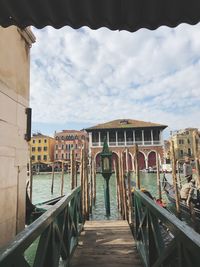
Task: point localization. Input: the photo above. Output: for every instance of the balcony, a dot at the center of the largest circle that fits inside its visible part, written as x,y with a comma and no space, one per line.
129,143
112,143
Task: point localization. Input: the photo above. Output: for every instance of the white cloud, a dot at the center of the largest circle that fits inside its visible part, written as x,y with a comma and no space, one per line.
87,76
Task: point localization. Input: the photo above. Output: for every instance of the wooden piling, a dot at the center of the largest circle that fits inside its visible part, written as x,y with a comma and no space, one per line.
128,188
123,188
137,173
76,173
62,179
52,179
116,169
127,155
195,148
82,185
90,185
130,202
158,177
179,175
72,169
175,179
86,185
120,186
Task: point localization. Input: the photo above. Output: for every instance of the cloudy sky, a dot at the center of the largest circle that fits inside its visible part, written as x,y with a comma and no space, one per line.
83,77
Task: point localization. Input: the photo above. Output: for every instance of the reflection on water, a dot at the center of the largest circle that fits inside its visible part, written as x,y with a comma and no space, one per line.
42,191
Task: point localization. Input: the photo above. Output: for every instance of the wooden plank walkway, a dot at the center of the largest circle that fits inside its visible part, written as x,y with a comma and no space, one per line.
106,244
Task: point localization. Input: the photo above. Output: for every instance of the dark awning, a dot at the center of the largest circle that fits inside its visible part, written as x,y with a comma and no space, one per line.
128,15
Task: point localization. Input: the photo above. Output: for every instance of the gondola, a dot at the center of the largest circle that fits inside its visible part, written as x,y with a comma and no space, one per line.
192,213
35,211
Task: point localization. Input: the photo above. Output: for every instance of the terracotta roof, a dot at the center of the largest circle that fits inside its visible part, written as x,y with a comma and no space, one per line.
129,15
125,123
70,132
39,135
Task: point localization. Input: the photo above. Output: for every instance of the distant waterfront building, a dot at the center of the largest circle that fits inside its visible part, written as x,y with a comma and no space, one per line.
167,152
183,143
42,151
126,133
67,140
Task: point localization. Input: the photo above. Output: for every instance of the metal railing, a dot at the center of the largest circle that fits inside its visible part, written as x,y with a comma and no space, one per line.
162,239
51,239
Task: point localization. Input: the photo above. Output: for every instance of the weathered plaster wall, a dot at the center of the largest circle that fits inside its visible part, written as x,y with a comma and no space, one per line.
14,98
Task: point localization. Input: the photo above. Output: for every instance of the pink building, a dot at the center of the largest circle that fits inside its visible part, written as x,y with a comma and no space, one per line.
67,140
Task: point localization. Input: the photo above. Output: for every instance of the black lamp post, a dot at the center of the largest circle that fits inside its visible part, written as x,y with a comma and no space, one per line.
106,170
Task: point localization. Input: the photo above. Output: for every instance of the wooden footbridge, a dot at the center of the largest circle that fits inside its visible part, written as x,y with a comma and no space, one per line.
60,237
106,243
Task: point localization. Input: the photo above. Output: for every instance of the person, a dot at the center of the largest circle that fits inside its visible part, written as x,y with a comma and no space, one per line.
187,190
187,168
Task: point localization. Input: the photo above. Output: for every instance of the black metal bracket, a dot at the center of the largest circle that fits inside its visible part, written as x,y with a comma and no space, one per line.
27,135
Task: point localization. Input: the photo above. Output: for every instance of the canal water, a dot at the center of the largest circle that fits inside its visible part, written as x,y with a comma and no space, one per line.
42,191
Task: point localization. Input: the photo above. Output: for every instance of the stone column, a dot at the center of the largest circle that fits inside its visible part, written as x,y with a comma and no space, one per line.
152,137
125,138
90,139
99,139
90,142
161,138
116,139
143,137
134,136
146,161
108,138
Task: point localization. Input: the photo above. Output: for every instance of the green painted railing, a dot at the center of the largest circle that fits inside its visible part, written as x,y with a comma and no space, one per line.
162,239
51,239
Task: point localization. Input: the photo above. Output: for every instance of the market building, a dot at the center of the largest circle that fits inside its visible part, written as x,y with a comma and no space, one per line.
125,133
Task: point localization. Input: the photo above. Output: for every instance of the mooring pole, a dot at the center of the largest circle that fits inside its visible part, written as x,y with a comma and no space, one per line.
158,177
52,182
137,172
107,195
195,153
175,179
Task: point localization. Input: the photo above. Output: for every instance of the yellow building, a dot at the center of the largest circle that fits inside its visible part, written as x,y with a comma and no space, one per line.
183,143
42,149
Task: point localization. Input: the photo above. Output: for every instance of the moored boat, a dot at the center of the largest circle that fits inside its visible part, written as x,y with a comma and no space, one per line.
192,212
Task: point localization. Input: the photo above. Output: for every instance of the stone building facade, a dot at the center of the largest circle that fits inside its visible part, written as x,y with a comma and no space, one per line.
42,152
14,99
122,134
67,140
